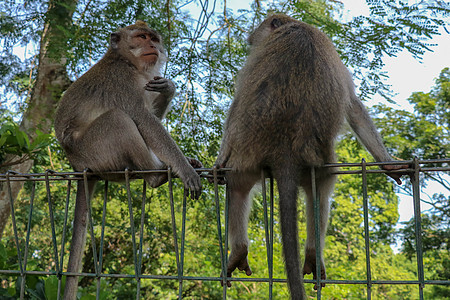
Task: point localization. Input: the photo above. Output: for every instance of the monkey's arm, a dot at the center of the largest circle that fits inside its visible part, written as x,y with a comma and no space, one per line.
166,89
159,140
361,123
363,126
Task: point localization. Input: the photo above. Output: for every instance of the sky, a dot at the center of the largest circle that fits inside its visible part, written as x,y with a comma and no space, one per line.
407,74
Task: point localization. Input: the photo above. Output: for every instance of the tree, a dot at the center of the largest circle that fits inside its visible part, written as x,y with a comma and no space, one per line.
50,81
425,133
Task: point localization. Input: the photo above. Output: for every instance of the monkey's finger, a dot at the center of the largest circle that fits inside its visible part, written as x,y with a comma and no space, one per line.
162,81
198,192
222,281
229,274
194,193
195,163
321,284
228,283
156,87
397,175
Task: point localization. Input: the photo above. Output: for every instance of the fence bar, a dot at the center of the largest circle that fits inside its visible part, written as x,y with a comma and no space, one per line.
316,198
271,280
102,238
141,232
52,221
246,279
183,237
174,228
63,239
133,233
418,226
24,247
227,210
366,229
267,232
88,194
219,233
16,237
27,241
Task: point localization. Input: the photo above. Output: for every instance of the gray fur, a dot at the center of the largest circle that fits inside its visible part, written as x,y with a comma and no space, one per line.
292,98
110,119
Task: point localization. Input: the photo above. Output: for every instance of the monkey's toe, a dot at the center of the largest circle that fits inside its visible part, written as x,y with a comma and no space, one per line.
238,260
310,267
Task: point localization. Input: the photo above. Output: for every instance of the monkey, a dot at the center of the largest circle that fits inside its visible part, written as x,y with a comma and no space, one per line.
292,97
110,119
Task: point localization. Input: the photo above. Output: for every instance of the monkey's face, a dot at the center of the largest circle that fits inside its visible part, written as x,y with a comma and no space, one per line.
145,46
139,44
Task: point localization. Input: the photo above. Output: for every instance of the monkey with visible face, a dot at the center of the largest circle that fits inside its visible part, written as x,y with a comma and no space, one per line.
292,97
110,119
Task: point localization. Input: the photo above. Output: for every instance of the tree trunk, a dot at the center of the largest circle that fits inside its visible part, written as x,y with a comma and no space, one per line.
51,81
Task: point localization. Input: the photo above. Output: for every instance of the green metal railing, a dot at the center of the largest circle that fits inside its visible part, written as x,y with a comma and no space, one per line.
360,169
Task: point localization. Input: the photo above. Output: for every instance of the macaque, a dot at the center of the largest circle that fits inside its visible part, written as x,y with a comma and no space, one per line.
292,97
110,119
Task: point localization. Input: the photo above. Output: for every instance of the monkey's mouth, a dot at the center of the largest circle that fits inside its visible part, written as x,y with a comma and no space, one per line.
149,54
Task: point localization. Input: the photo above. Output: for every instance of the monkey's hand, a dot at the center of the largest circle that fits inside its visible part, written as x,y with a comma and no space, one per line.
161,85
238,259
194,163
397,175
310,266
192,183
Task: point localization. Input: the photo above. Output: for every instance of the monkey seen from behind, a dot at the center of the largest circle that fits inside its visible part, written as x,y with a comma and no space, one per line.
292,97
110,119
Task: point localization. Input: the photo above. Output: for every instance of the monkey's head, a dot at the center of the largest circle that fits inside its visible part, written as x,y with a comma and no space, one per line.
139,44
269,25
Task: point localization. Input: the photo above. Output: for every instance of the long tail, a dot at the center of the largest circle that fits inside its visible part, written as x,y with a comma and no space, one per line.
287,181
78,239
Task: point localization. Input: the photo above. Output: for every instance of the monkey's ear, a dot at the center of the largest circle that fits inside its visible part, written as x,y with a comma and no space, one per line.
275,23
114,40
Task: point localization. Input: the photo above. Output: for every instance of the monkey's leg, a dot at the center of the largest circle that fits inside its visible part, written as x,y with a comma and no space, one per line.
287,181
325,186
239,206
78,239
113,142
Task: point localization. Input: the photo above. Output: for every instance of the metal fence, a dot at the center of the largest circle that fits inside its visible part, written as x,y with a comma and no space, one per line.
57,270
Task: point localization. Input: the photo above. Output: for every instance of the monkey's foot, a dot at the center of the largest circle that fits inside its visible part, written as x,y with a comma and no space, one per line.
156,180
238,259
220,176
310,266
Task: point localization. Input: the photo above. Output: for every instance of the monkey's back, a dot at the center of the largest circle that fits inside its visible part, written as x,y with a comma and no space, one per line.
92,94
289,101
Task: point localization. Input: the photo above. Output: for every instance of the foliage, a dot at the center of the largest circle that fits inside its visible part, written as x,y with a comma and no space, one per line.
425,133
16,142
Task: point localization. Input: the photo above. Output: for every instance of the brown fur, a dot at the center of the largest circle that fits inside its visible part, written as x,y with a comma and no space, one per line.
110,119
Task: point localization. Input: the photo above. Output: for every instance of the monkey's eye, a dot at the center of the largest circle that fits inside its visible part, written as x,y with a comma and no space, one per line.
142,36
